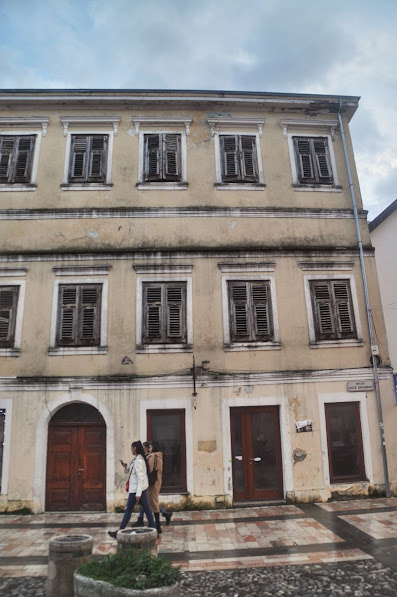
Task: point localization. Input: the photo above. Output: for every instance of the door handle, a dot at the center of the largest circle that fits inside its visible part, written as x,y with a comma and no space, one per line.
257,459
80,470
238,457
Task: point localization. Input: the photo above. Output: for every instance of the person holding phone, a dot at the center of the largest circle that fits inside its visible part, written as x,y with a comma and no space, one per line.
138,484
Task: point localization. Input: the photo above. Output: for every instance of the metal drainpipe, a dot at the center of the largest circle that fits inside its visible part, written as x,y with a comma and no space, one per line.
367,305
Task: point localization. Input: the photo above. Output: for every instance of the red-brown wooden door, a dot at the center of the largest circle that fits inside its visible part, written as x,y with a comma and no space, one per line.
256,453
76,466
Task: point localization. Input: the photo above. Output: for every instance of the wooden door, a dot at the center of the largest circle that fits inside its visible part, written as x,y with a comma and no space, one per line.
76,466
167,429
256,453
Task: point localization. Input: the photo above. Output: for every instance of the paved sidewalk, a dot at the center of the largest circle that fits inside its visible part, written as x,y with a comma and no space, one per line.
237,544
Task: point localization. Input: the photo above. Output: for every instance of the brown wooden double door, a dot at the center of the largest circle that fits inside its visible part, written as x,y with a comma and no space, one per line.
256,453
76,467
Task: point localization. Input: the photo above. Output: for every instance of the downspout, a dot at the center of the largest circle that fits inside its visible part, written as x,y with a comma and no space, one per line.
367,305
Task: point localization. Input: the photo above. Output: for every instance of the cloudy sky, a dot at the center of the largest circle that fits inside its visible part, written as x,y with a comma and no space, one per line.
306,46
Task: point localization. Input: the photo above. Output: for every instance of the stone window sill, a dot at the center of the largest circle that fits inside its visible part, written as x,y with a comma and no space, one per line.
162,186
18,187
10,352
237,186
86,187
336,343
163,348
250,346
328,188
73,350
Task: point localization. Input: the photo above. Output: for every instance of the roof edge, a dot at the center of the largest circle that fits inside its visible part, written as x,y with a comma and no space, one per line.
383,216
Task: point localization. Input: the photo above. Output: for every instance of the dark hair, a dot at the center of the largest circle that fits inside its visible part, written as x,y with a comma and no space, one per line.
139,450
155,447
147,444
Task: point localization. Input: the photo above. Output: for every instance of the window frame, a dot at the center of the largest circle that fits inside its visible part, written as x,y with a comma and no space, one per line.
299,186
88,186
220,184
314,342
228,344
354,478
163,347
71,277
361,398
15,349
32,184
142,184
78,342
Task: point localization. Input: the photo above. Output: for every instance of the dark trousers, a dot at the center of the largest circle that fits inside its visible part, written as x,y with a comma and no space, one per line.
130,506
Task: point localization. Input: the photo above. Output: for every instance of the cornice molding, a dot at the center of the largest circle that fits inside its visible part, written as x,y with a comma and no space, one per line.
264,266
111,121
209,253
203,381
326,265
81,270
8,272
26,121
159,268
148,121
306,123
178,212
219,122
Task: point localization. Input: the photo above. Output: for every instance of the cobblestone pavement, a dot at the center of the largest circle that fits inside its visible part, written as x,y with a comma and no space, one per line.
348,579
339,548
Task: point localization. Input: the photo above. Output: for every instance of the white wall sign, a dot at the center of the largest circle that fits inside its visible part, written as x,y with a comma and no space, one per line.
360,386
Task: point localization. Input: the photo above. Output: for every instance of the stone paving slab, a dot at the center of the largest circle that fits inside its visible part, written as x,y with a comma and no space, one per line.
366,504
379,525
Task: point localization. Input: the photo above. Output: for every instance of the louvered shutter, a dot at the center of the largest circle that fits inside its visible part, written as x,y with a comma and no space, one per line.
89,315
152,305
67,318
175,307
304,159
171,156
98,155
320,147
260,293
333,309
23,159
230,158
343,309
323,310
8,309
239,311
78,158
7,145
248,158
152,158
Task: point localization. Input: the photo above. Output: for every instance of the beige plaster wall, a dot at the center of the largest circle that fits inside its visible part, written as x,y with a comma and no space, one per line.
304,480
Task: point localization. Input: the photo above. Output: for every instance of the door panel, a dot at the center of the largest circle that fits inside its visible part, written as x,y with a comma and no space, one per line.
76,467
256,453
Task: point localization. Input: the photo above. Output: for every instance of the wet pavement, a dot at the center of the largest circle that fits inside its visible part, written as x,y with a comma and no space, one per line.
338,548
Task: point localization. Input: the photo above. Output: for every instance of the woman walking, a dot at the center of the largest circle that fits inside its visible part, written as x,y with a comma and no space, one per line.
138,484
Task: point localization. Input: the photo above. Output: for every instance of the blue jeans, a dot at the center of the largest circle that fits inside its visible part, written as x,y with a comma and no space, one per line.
130,506
141,511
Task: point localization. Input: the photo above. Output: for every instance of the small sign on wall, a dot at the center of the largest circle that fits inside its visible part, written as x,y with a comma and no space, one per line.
360,386
302,426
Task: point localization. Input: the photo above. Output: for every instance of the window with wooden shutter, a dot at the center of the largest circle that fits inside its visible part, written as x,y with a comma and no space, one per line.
16,158
79,315
164,313
239,158
332,309
8,314
312,160
162,157
250,311
88,158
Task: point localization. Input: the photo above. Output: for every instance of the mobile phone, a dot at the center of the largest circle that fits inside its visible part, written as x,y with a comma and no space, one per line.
122,463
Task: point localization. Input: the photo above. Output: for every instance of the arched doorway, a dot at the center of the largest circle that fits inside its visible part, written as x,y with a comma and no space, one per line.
76,460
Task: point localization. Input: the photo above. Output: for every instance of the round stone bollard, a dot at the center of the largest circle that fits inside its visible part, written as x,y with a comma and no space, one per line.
138,539
67,552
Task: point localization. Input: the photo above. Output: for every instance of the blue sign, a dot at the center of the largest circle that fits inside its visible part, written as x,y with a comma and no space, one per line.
395,387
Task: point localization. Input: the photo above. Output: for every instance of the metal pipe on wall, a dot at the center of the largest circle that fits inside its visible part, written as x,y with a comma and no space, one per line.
367,305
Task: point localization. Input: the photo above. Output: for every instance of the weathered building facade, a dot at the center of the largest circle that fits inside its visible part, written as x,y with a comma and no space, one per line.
183,266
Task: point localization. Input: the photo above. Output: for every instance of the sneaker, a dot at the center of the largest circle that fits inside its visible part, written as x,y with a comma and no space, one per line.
112,534
138,522
168,516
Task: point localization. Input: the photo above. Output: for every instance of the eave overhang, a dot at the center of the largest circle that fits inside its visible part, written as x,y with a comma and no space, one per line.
308,104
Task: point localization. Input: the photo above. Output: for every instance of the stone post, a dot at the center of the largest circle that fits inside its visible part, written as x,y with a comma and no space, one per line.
66,553
137,538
